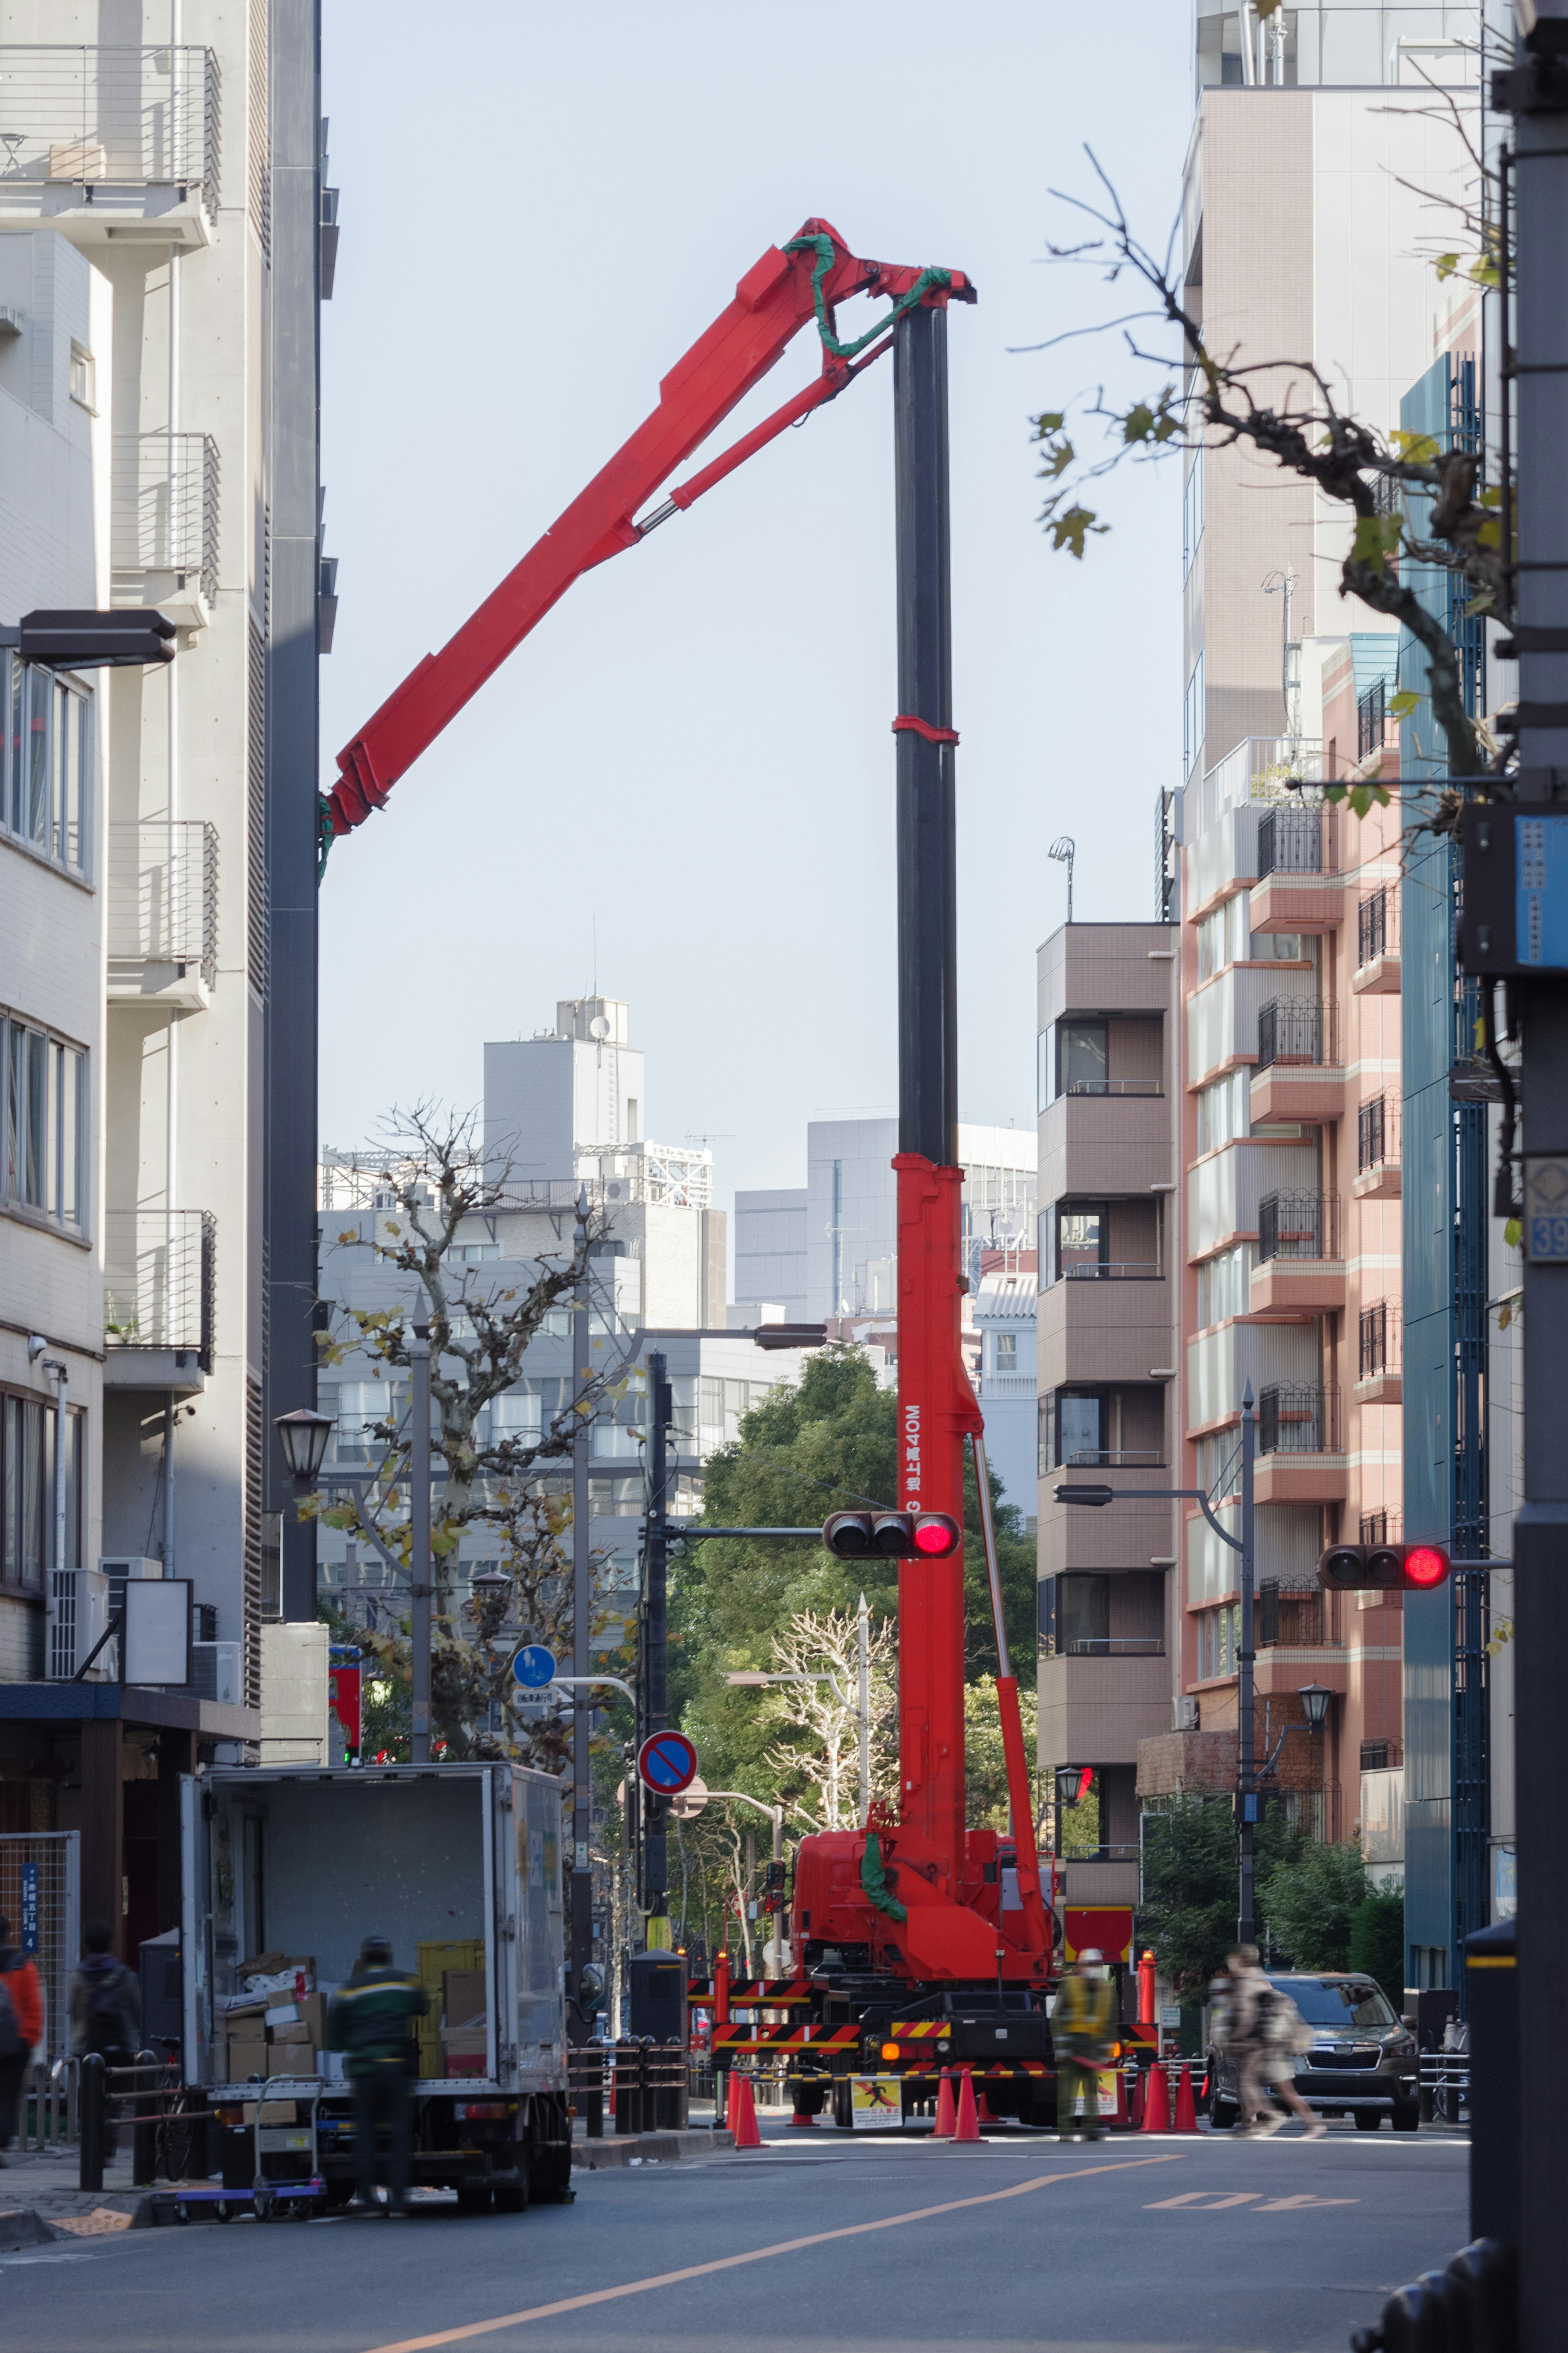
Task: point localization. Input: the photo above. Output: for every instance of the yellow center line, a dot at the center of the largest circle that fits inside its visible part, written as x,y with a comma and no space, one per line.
758,2255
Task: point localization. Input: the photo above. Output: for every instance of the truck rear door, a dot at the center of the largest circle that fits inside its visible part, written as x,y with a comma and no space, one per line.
195,1929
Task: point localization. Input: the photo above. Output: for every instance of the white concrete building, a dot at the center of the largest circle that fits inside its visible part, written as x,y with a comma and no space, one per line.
850,1201
1005,1311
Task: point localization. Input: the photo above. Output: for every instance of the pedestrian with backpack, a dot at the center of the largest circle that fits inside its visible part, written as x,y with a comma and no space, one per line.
21,2028
105,2007
1262,2029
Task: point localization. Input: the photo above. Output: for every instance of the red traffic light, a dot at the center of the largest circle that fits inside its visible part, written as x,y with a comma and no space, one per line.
1388,1569
896,1535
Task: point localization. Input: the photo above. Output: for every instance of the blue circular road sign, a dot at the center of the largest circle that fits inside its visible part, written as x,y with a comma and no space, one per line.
533,1666
666,1763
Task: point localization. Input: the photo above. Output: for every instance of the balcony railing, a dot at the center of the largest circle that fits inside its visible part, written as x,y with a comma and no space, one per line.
1377,1131
164,508
1114,1646
86,114
160,1272
1298,1418
1261,769
1113,1270
163,896
1298,1225
1113,1458
1297,841
1379,1756
1377,928
1379,1342
1113,1087
1303,1029
1291,1615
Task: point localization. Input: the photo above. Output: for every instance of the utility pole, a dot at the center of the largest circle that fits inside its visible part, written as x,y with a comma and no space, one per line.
419,1539
1245,1924
1535,374
582,1912
656,1695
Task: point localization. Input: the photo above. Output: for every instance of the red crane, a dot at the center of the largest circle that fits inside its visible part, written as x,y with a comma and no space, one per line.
922,1898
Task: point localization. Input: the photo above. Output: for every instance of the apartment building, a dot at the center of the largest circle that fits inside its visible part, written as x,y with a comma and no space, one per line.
1110,1615
1318,162
160,253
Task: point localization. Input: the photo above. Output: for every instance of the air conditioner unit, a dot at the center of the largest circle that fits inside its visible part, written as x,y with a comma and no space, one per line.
216,1673
1184,1715
77,1616
122,1567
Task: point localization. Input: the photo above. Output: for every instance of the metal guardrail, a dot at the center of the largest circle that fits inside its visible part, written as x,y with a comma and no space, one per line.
85,113
1303,1029
1377,1130
162,894
164,506
1377,928
1297,841
48,2105
1298,1418
160,1280
1298,1225
1445,2093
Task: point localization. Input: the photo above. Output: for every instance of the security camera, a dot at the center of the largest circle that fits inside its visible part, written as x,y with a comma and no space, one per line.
37,1344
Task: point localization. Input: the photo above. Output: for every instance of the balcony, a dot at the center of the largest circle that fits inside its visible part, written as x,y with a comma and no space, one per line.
1379,1374
1377,945
1298,1075
1299,1459
1298,1269
108,144
1378,1144
1299,887
159,1274
163,512
162,914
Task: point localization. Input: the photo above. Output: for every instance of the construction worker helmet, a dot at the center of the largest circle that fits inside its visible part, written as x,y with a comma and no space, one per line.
1092,1955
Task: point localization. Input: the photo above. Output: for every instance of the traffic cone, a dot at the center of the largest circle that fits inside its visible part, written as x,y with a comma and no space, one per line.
1156,2107
743,2112
1123,2119
968,2125
946,2117
1186,2114
797,2118
983,2109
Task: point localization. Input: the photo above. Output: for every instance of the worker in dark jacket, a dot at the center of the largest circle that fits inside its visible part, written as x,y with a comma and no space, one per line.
1083,2027
371,2020
105,2005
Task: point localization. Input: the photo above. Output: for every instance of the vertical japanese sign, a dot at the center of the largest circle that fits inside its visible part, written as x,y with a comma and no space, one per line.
30,1907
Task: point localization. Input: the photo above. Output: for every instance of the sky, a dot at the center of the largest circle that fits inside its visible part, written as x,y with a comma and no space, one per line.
680,787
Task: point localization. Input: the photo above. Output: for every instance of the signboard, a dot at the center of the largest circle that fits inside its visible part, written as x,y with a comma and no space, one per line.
1545,1207
533,1666
30,1907
1105,1928
691,1801
874,2101
155,1637
1514,920
666,1763
346,1694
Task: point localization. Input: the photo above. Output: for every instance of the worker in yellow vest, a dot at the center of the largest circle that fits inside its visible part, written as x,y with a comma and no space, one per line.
1083,2032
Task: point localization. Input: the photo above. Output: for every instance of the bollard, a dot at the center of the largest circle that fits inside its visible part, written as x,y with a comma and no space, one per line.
143,2078
90,2170
594,2097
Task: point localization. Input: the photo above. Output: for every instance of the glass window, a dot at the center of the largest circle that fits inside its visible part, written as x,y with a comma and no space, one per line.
1083,1615
1192,720
43,1124
1225,1285
1192,512
1083,1239
1338,2001
1218,1642
1083,1063
1080,1420
1222,1111
37,1095
1005,1352
47,772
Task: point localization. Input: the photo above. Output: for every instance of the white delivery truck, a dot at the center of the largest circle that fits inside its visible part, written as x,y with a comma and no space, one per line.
298,1865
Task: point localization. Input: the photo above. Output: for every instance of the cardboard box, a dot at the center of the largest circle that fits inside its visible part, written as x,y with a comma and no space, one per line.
296,2037
246,2056
465,2001
462,2054
436,1958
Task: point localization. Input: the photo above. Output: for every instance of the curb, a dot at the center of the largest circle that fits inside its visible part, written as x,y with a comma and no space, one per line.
648,2149
23,2226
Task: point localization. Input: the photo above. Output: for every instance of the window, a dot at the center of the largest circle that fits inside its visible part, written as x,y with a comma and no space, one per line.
1220,1639
47,773
1083,1239
1222,936
43,1124
1222,1111
1225,1285
1005,1352
1079,1428
82,375
27,1490
1192,512
1083,1058
1219,1463
1193,720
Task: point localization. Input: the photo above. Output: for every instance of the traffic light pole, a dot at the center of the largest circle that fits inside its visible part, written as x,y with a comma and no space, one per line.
582,1914
655,1643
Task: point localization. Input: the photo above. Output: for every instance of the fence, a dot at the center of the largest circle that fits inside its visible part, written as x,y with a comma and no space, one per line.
40,1894
84,112
1379,1342
1290,1616
160,1280
1377,927
1377,1133
1298,1225
1297,841
1297,1029
163,896
646,2085
1298,1418
165,505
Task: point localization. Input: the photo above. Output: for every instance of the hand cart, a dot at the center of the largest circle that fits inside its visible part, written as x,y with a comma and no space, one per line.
268,2198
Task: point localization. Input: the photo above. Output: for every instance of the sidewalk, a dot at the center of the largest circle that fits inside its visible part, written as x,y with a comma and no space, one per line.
43,2183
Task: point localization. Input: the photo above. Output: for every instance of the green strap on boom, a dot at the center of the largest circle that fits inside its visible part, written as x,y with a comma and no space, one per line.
874,1880
326,834
823,248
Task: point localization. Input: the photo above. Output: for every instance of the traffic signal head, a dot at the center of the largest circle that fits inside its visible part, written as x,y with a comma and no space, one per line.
1390,1568
895,1535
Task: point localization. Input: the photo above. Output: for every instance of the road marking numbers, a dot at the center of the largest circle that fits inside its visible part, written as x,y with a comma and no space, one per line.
1211,2201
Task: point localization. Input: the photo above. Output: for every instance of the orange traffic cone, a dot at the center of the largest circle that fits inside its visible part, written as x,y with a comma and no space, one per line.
1186,2114
968,2125
797,2118
983,2109
1156,2108
743,2113
946,2115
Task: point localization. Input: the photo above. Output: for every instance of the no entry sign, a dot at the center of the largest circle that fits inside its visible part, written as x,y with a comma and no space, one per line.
666,1763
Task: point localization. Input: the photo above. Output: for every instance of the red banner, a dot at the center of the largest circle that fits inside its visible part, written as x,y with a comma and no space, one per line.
345,1683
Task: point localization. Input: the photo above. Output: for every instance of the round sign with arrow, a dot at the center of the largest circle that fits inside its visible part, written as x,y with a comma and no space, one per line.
691,1801
666,1763
533,1666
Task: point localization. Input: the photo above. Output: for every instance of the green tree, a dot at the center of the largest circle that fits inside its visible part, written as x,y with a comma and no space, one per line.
1308,1901
1191,1883
984,1766
826,1445
1377,1941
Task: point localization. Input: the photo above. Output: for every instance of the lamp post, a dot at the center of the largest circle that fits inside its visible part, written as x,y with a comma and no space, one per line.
1064,849
419,1542
750,1679
303,1437
1315,1698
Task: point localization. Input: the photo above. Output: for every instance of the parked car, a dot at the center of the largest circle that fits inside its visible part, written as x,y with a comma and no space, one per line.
1362,2062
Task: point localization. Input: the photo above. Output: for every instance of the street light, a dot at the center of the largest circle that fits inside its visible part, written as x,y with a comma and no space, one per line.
303,1435
1064,849
1315,1698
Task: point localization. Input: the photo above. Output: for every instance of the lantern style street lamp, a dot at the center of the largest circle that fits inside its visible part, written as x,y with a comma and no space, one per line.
303,1436
1315,1698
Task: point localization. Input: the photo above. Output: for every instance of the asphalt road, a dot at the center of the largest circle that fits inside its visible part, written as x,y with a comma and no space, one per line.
1158,2244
